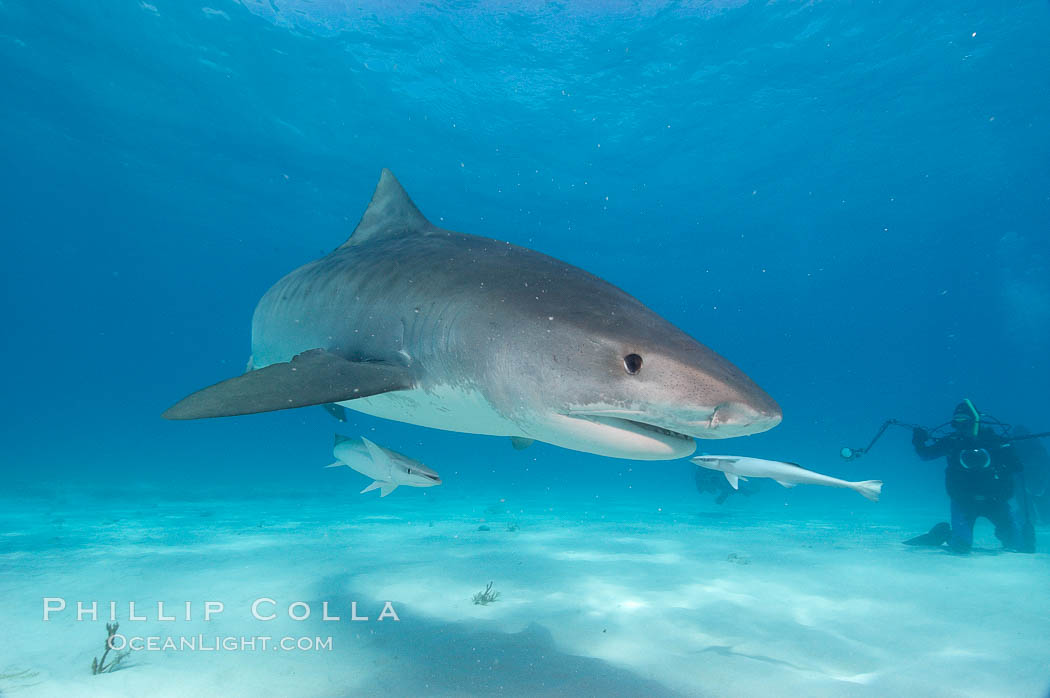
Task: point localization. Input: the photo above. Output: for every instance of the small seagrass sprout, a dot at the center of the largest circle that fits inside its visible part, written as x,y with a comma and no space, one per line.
99,666
484,598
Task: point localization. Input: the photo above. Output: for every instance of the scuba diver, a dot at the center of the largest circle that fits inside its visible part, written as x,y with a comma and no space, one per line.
984,477
716,483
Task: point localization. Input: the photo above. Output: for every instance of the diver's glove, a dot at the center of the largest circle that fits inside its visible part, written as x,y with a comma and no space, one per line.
919,436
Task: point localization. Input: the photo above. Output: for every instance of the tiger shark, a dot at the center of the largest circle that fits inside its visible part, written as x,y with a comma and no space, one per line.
411,322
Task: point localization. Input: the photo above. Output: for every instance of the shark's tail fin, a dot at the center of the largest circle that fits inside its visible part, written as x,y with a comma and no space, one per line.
869,489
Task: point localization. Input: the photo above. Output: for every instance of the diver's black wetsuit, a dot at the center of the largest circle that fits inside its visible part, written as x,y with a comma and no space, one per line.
995,491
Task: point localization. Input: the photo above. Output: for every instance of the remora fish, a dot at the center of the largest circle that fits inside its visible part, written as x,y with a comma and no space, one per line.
787,474
389,469
411,322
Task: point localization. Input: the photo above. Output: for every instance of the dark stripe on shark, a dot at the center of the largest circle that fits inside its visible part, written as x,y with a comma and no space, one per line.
315,377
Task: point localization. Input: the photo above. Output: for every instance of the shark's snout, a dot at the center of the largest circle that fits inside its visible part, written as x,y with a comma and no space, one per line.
733,418
420,475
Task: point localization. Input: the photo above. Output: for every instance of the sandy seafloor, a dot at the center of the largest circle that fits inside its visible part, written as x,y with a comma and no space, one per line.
596,598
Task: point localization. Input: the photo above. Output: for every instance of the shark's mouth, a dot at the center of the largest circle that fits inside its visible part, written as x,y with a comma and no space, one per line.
620,433
632,424
723,421
628,421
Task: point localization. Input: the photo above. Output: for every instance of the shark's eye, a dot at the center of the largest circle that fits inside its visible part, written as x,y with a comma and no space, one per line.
632,363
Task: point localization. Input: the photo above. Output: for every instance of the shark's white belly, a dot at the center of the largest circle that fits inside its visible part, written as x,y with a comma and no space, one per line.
443,407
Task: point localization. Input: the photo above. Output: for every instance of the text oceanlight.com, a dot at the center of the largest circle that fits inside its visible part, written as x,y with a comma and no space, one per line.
218,643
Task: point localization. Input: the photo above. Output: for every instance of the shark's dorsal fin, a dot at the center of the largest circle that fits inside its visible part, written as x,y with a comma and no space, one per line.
377,453
390,214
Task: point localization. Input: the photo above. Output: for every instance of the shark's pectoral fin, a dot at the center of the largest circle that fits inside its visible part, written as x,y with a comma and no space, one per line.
337,411
785,484
384,488
520,444
315,377
733,480
336,464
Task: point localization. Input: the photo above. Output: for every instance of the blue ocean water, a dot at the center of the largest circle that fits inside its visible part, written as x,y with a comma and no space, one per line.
849,201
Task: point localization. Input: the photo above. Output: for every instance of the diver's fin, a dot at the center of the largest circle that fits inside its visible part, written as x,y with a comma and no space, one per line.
314,377
936,536
733,480
520,443
390,213
337,411
785,484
